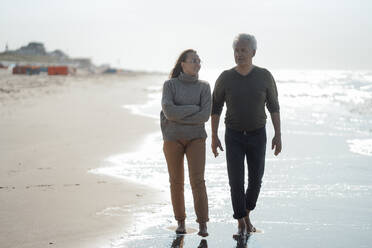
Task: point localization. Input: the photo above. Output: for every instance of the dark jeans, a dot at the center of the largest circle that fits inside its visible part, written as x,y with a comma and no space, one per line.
252,146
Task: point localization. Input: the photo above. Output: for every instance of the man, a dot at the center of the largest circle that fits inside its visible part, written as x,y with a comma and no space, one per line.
245,89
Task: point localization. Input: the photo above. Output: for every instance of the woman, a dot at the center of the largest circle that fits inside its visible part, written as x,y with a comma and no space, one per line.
186,106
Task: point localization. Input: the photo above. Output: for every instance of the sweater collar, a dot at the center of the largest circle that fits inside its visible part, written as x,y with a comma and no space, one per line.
187,78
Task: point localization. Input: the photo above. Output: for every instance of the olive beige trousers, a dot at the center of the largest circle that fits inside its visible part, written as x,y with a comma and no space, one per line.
175,152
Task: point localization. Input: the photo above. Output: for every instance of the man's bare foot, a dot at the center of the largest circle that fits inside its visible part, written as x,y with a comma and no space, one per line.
250,227
241,228
181,229
203,230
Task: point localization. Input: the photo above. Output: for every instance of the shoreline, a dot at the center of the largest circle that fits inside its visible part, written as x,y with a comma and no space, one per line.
53,139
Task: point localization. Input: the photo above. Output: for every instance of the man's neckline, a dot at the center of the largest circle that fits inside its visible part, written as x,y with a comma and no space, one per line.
253,67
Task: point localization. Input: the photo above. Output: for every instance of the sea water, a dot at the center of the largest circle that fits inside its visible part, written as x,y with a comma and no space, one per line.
316,193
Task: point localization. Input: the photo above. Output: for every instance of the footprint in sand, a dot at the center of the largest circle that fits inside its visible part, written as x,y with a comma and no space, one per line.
11,172
39,186
71,184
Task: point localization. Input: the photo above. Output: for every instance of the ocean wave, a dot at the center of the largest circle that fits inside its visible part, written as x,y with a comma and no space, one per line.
361,146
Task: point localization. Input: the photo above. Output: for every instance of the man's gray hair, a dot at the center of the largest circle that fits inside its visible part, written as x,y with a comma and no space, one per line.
246,37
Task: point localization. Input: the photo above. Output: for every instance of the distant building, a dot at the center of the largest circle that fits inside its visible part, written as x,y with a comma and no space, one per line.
59,55
57,70
82,62
28,70
34,53
110,71
33,48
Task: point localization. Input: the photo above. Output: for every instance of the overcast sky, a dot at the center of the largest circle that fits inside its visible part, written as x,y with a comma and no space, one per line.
149,35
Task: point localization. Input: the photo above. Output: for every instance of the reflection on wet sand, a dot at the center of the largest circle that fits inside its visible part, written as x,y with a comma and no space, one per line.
179,239
242,240
178,242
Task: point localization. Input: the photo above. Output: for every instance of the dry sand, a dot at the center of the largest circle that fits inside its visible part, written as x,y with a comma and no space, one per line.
53,130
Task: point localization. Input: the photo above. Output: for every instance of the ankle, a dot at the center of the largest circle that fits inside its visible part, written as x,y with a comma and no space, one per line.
203,230
241,223
203,225
181,224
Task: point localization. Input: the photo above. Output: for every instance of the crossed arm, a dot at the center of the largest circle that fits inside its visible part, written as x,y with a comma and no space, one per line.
187,114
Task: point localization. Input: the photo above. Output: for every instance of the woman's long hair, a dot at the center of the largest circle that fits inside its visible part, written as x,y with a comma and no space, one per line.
177,69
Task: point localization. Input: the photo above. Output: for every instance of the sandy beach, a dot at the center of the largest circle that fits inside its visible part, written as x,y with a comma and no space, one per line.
53,131
79,169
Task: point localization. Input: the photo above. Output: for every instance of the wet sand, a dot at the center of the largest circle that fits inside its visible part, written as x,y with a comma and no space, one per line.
53,131
317,188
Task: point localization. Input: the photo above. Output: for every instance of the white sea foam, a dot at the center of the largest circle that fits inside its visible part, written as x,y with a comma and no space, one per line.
361,146
145,166
152,107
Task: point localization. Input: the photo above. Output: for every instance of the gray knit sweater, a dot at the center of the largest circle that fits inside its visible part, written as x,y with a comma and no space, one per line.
186,106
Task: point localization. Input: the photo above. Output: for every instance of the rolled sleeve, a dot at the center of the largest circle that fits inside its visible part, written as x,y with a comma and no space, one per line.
272,102
218,98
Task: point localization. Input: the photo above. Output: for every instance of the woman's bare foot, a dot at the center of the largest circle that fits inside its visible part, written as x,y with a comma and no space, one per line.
203,230
250,227
241,228
181,229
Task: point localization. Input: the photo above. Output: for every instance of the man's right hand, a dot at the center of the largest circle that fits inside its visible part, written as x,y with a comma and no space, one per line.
216,143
